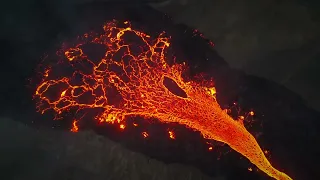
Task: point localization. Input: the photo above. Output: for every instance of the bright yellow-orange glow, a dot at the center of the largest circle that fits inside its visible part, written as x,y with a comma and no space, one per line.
145,134
171,135
137,73
74,126
63,93
210,148
122,126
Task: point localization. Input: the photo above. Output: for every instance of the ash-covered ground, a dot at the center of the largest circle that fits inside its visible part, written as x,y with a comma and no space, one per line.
35,147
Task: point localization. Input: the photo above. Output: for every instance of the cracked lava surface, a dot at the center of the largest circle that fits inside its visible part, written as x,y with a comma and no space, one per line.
131,79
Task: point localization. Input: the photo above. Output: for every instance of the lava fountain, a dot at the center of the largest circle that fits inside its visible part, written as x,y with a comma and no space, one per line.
132,80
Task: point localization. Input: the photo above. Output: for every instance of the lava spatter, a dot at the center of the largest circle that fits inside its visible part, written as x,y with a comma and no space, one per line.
129,80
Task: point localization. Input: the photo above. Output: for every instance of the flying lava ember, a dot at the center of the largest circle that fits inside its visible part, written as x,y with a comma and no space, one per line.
133,79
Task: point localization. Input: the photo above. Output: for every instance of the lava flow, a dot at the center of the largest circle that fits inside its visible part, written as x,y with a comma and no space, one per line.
132,80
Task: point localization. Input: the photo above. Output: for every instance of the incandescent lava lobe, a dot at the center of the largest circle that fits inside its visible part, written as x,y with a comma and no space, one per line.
134,79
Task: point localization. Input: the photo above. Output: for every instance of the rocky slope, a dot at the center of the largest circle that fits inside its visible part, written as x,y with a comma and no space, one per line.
28,153
290,128
277,40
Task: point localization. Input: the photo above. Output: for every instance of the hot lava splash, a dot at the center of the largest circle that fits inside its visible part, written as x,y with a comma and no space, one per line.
132,80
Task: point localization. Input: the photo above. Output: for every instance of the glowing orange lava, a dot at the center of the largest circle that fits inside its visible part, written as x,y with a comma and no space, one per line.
132,84
171,135
145,134
122,126
75,127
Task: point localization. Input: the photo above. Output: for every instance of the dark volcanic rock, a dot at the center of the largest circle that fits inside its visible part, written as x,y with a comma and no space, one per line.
290,129
27,153
274,39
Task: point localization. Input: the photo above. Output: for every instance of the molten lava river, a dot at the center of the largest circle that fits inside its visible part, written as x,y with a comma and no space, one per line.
130,80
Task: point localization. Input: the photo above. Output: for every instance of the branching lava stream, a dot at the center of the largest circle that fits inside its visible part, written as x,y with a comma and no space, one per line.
129,81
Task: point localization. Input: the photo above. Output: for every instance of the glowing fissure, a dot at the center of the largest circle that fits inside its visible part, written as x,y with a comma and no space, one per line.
138,79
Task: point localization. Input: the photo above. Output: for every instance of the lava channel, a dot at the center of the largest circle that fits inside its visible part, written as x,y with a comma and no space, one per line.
128,80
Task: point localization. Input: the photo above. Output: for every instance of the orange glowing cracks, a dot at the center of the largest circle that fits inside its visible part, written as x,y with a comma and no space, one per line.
129,81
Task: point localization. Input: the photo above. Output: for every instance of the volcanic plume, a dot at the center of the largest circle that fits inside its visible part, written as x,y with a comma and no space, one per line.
133,77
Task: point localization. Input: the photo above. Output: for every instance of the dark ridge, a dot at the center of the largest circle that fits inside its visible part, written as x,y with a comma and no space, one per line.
290,129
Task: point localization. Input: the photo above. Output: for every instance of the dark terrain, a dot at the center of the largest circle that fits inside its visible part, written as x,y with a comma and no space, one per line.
35,147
